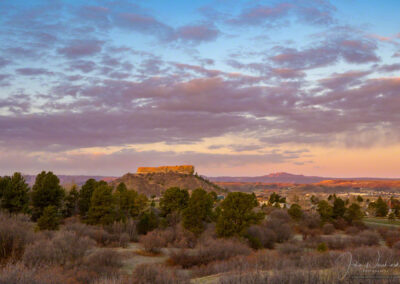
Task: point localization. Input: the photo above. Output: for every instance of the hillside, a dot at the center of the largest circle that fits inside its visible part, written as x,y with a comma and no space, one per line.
155,183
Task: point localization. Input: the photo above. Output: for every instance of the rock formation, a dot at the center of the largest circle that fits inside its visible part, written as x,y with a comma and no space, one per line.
184,169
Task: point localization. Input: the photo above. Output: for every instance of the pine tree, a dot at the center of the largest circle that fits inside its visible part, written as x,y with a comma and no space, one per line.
236,214
15,197
102,207
198,211
49,220
46,192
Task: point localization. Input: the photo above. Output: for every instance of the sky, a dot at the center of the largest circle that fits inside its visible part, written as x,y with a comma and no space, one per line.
239,88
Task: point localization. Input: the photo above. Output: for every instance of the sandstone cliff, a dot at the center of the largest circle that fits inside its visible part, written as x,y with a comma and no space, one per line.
184,169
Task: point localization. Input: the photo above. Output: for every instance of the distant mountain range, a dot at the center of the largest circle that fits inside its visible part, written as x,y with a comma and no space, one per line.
285,178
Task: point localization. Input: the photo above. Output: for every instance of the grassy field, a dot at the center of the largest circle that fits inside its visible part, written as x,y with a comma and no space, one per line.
376,221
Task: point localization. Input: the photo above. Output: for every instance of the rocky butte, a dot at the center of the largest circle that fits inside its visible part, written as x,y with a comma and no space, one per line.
183,169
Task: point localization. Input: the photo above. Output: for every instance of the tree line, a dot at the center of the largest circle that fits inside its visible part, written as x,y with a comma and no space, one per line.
98,203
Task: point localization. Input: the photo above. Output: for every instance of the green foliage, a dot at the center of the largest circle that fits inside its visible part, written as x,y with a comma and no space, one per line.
174,199
236,214
198,211
129,202
14,194
338,208
46,192
295,212
322,247
325,211
360,199
381,208
353,213
102,208
49,220
314,200
275,199
85,195
148,221
71,202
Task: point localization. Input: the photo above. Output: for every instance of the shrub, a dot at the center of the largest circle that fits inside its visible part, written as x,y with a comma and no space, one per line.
15,234
65,249
261,236
150,273
396,246
367,238
281,215
153,241
128,227
20,274
328,229
124,240
322,247
372,255
40,253
290,248
311,220
282,231
98,234
210,251
103,262
337,242
390,236
352,230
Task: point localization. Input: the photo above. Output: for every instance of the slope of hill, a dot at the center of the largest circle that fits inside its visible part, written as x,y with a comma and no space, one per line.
155,183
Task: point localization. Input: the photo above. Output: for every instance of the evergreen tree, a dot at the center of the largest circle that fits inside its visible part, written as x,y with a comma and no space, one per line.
148,221
236,214
295,212
46,192
102,208
174,199
338,208
129,202
15,196
198,211
325,211
353,213
85,194
71,202
381,208
50,219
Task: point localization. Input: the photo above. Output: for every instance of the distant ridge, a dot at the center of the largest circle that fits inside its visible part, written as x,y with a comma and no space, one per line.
283,177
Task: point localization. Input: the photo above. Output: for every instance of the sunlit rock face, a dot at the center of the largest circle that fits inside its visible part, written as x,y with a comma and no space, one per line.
183,169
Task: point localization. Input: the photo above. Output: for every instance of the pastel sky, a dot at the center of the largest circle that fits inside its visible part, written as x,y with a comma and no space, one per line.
232,87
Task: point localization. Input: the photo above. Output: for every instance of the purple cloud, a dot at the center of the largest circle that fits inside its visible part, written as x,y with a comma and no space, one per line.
197,33
390,67
85,66
33,71
81,48
310,12
4,62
